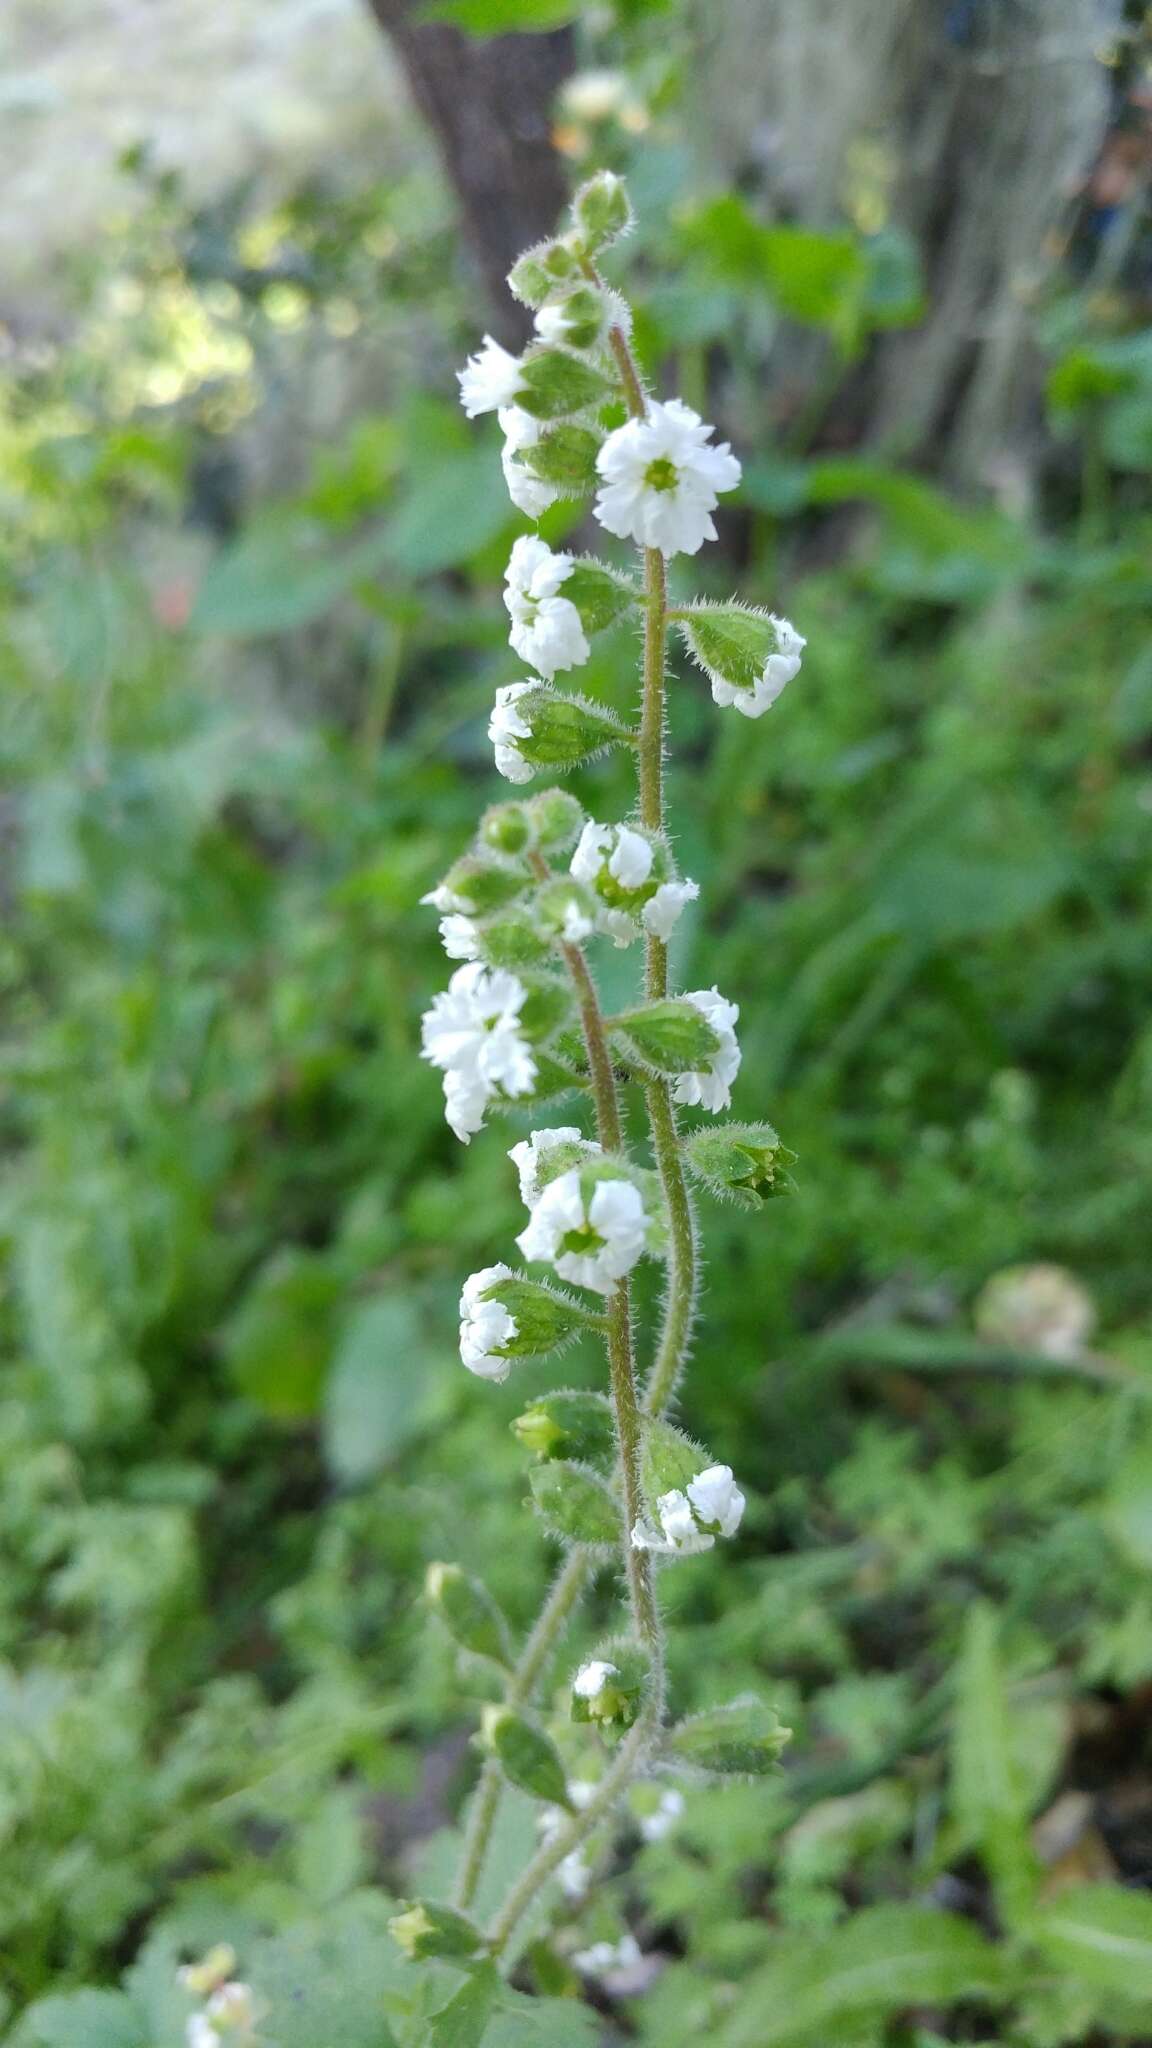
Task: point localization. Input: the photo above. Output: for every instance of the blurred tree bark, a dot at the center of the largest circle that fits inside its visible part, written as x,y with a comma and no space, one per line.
488,103
968,122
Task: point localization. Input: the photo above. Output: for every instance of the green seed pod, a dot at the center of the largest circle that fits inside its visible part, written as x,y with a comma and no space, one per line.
426,1930
554,384
536,274
669,1461
506,828
512,941
545,1317
484,885
556,818
744,1163
568,1425
468,1611
525,1754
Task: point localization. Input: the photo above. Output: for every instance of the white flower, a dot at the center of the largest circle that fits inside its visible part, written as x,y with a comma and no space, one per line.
626,854
530,494
595,94
485,1325
582,1791
592,1677
489,380
778,670
505,727
459,936
444,898
575,1875
592,1244
546,628
526,1156
661,913
661,479
609,1958
711,1086
472,1033
200,2033
691,1521
233,2008
576,926
655,1826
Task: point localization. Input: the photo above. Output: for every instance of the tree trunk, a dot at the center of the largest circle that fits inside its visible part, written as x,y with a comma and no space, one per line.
489,106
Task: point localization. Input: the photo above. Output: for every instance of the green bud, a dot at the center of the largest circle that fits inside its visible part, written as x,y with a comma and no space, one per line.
743,1739
577,319
535,275
673,1036
566,730
744,1163
670,1461
554,384
566,457
483,885
600,597
568,1425
468,1612
602,211
545,1317
525,1755
556,818
513,941
425,1930
575,1502
505,828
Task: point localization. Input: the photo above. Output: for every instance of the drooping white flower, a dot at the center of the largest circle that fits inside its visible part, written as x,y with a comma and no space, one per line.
489,380
661,914
690,1521
661,479
609,1958
443,898
505,727
711,1086
590,1242
592,1677
485,1325
627,855
526,1156
472,1033
547,630
459,936
778,670
655,1826
530,494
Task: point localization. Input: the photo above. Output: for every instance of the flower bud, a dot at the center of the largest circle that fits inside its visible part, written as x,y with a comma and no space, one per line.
506,828
575,1502
672,1036
536,274
554,385
608,1689
748,655
577,320
602,211
743,1739
744,1163
669,1459
512,940
566,912
468,1612
556,818
568,1425
525,1755
479,886
426,1929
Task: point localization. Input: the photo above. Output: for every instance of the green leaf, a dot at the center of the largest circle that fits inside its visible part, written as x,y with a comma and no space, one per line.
279,1340
575,1503
330,1850
381,1390
674,1037
326,1980
744,1739
274,581
82,2019
566,457
463,2022
554,383
543,2023
989,1792
600,597
884,1960
450,510
1101,1935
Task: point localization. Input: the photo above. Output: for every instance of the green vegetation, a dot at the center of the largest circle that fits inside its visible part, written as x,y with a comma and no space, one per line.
244,731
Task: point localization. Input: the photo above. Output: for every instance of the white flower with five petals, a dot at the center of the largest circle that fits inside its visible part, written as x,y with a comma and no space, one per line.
661,478
591,1241
472,1033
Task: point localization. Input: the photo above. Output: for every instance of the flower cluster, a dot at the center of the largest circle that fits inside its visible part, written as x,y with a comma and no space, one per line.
473,1034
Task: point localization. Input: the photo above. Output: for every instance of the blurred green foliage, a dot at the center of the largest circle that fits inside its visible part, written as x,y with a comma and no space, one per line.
243,731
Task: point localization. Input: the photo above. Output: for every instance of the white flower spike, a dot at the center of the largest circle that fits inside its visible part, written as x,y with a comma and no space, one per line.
711,1087
593,1242
490,380
472,1033
485,1325
661,478
547,631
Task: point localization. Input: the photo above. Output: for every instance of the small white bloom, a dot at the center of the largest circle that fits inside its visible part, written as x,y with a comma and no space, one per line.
489,380
711,1086
661,913
626,854
546,628
576,926
200,2033
459,936
485,1325
591,1244
661,479
654,1827
778,670
472,1033
444,898
592,1677
595,94
575,1875
526,1156
505,727
530,494
582,1791
233,2009
609,1958
691,1521
617,926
